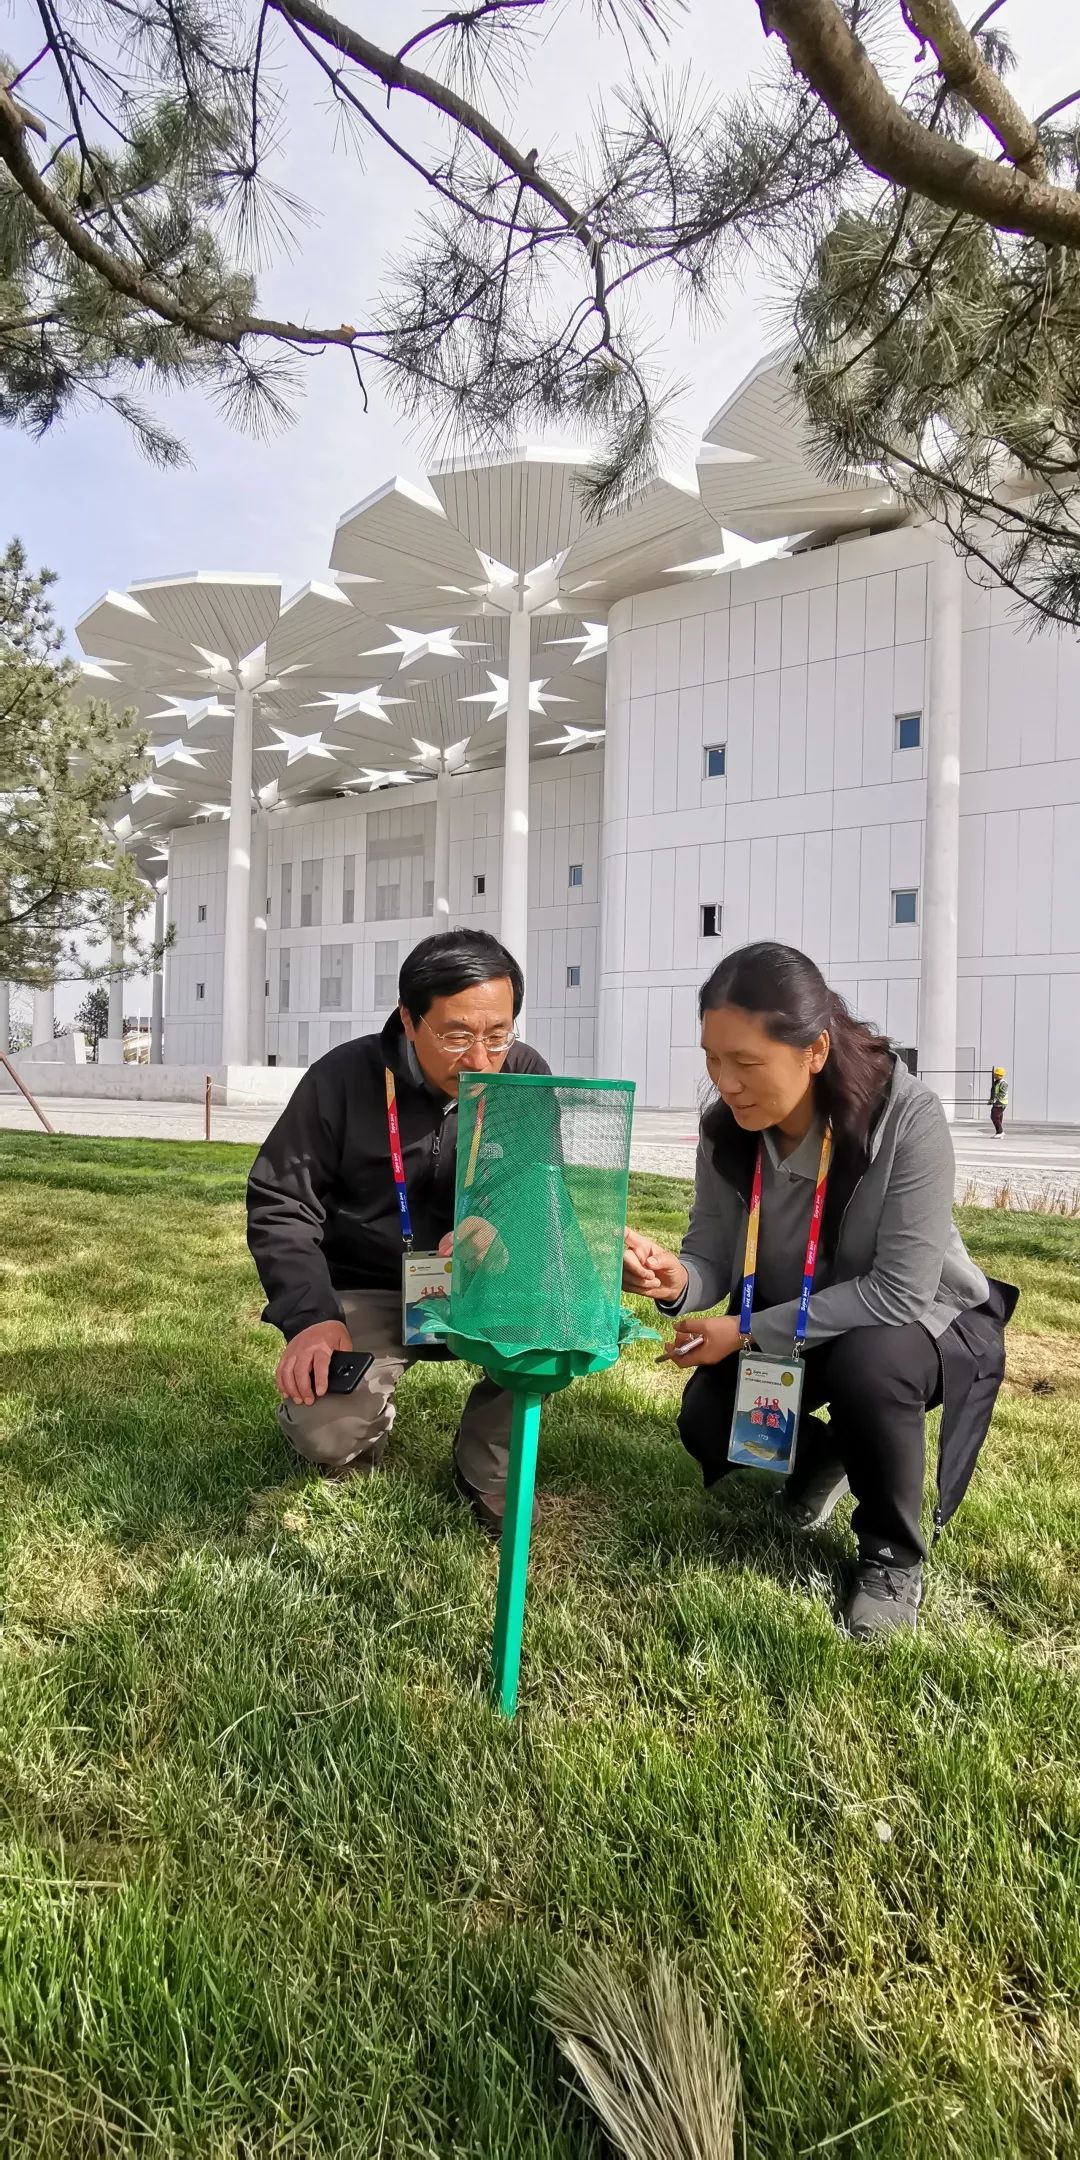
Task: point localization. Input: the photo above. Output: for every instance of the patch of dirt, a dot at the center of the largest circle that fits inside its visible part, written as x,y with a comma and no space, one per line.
1042,1364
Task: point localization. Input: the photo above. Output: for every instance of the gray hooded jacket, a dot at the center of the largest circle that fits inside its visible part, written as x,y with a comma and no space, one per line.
899,1256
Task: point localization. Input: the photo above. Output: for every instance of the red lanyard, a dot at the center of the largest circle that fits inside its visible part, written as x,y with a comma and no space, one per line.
746,1312
397,1160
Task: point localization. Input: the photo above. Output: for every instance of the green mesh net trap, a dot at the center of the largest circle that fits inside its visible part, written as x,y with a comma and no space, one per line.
543,1167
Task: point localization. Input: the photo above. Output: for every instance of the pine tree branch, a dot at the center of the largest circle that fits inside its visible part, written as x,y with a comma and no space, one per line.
144,290
967,73
823,49
396,74
465,19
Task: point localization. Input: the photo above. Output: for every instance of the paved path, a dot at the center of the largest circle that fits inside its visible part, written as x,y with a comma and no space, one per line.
1029,1158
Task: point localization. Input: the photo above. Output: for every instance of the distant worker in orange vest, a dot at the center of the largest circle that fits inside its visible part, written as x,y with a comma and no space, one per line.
999,1099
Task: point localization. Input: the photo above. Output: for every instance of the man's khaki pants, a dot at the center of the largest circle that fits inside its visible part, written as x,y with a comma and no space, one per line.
340,1429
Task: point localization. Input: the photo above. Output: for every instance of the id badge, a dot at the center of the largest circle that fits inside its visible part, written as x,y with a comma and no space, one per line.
425,1276
766,1421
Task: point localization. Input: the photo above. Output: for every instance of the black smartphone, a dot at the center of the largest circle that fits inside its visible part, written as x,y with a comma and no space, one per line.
347,1369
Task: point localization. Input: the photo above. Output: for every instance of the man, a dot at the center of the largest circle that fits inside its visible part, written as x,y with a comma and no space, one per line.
325,1219
999,1098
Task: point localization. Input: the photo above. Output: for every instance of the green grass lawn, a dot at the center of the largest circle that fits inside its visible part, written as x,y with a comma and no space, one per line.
276,1881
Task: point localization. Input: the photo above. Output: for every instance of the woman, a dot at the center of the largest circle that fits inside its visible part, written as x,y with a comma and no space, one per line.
900,1319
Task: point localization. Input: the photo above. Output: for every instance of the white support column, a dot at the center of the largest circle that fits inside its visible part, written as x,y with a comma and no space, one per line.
440,919
157,985
941,838
260,845
44,1016
116,987
237,971
514,926
5,1017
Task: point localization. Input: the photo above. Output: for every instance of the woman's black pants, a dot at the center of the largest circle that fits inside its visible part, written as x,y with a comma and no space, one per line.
878,1382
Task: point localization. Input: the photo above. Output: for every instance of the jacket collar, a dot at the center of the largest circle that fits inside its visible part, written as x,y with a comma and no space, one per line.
398,1053
902,1083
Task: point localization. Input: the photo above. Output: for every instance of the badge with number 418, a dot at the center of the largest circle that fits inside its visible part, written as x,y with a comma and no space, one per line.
766,1421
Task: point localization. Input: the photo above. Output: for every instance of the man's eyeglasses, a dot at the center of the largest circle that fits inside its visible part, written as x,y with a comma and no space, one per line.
457,1042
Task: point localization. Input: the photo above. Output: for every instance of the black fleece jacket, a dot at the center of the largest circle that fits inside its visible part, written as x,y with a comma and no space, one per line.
321,1205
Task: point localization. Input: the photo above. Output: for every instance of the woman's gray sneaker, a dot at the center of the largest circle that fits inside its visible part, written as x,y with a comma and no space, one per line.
809,1504
883,1598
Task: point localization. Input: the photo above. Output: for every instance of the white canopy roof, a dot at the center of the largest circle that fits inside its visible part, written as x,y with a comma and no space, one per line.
399,661
755,472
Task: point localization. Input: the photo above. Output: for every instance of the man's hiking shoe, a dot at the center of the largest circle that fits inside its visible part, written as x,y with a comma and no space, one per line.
487,1508
882,1598
339,1473
808,1503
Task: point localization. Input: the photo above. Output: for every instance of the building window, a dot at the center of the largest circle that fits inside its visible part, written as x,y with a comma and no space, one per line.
283,979
573,977
266,987
479,884
905,907
711,916
576,869
302,1043
202,911
908,730
348,890
715,760
286,896
429,896
310,894
335,978
386,973
387,903
200,990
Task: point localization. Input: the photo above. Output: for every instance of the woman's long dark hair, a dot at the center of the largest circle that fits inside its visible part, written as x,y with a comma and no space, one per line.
788,994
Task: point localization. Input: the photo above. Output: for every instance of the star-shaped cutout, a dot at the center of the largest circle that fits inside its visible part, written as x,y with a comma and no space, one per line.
149,787
298,746
499,694
434,759
352,704
574,738
188,711
175,753
371,777
593,643
218,667
412,646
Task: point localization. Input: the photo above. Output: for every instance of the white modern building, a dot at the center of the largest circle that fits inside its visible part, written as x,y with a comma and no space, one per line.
853,744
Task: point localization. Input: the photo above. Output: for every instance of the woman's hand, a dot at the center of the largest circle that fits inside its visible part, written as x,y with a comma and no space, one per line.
649,1270
477,1240
714,1340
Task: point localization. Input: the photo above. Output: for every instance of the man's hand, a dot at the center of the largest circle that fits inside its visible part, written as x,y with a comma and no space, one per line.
713,1341
304,1364
649,1270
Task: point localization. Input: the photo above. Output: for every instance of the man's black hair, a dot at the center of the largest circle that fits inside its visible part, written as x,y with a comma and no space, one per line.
451,961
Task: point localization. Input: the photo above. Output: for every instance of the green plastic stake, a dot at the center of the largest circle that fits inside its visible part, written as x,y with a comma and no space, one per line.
514,1551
